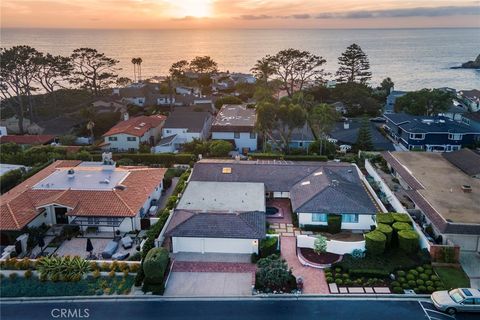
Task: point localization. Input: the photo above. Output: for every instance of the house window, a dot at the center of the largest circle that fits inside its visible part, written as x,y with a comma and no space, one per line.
236,135
253,135
168,131
131,138
350,218
319,217
131,149
455,136
112,138
300,144
417,136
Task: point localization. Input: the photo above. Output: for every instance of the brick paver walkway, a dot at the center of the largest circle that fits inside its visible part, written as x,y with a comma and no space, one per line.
196,266
314,281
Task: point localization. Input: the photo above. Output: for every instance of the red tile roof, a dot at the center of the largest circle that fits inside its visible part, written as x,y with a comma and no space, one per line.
136,126
20,205
28,139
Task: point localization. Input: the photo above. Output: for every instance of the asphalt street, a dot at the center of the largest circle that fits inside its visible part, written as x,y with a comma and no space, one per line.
231,309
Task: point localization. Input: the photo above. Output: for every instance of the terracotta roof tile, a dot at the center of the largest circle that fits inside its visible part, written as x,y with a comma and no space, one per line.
28,139
136,126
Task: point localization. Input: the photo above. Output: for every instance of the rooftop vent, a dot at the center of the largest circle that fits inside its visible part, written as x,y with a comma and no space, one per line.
319,173
120,187
466,188
227,170
71,173
335,183
304,183
105,181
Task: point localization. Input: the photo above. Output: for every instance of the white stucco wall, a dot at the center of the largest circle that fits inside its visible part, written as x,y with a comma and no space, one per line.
364,221
285,195
243,142
220,245
333,246
122,144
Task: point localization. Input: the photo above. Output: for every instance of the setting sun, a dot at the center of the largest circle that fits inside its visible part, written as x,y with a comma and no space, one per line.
192,8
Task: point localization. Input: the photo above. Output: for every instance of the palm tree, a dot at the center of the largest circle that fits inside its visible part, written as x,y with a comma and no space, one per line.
139,62
263,69
134,62
322,119
90,126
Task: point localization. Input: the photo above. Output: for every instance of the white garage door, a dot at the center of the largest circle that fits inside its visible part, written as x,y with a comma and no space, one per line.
221,245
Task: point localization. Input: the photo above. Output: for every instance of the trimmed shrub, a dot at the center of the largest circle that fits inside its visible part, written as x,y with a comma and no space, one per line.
402,217
155,265
429,283
399,226
421,289
375,242
330,280
385,218
424,276
401,273
369,273
430,289
410,276
334,223
408,240
386,230
397,290
268,246
395,284
413,272
273,274
420,269
339,281
434,277
401,279
412,283
420,282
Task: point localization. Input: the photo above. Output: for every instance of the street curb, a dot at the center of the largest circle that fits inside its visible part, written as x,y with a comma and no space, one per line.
218,298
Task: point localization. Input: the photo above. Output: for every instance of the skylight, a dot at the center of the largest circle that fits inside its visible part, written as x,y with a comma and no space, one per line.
319,173
304,183
227,170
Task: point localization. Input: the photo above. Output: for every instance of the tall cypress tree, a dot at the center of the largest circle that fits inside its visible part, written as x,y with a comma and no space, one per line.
364,139
354,65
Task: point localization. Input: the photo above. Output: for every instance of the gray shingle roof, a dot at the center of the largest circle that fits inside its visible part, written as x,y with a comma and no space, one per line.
246,225
425,124
193,121
464,159
347,196
350,135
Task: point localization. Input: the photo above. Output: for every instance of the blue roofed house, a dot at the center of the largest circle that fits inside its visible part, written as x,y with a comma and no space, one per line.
346,132
301,138
430,133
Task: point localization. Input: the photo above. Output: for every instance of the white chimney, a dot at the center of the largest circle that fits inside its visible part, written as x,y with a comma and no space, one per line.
346,125
126,116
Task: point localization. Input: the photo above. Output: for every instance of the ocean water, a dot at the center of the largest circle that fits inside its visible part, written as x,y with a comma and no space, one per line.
413,58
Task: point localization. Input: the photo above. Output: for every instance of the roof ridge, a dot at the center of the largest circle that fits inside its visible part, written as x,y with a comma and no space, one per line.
12,214
241,215
123,201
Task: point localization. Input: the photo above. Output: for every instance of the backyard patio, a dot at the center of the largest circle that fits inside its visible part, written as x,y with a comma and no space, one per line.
77,247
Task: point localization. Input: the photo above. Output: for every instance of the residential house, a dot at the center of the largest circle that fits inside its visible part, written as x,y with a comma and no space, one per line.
28,140
429,133
236,123
472,119
11,124
129,134
471,98
340,107
3,131
346,132
300,138
454,112
135,94
109,104
446,197
183,126
87,194
391,99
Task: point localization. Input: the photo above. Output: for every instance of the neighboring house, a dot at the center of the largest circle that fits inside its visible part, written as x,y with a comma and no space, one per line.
346,132
301,138
5,168
109,104
236,123
472,119
183,126
455,112
340,107
28,126
28,140
135,94
243,78
429,133
447,197
187,90
466,160
391,99
3,131
315,189
471,98
86,194
130,133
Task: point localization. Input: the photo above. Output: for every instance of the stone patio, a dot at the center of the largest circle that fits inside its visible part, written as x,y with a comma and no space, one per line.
77,247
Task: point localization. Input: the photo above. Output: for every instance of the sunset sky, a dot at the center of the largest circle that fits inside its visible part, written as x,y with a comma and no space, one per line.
158,14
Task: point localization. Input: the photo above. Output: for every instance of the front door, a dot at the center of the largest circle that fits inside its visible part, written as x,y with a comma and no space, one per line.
60,216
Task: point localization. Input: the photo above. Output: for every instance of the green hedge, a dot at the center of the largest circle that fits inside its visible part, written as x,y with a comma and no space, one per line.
166,159
375,242
386,230
268,246
315,228
385,218
376,273
408,240
402,217
399,226
334,223
155,266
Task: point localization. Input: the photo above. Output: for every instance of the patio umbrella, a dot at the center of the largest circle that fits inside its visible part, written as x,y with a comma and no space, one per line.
89,246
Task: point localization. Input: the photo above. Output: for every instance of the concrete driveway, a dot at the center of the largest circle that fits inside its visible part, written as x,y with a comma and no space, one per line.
470,262
194,284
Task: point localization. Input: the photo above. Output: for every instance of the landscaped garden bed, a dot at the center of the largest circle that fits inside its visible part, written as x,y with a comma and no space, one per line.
16,286
274,276
453,277
319,258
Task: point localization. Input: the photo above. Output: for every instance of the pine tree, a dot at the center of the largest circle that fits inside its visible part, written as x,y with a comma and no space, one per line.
364,139
354,65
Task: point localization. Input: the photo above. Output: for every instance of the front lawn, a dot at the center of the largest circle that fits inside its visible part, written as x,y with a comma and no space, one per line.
33,287
453,277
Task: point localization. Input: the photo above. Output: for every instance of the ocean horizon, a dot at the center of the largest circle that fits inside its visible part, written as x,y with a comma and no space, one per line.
414,58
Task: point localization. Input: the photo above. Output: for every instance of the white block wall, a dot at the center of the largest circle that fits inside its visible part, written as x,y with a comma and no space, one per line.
364,221
243,142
